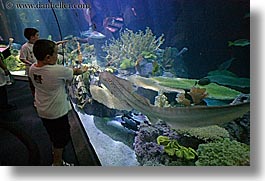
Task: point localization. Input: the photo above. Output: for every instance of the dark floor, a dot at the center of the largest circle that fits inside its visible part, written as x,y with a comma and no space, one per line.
23,138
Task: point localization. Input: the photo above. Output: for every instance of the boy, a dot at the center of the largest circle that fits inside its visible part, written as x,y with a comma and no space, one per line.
4,106
26,52
52,104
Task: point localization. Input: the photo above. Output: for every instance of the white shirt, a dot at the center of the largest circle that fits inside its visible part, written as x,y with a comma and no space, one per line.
2,77
26,53
50,93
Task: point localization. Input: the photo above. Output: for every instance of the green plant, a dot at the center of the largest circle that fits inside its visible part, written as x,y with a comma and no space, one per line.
223,153
171,147
214,90
126,63
207,134
13,63
148,55
131,45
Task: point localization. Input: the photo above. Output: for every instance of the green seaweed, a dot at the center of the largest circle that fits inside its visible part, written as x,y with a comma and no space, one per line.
207,134
13,63
171,147
227,78
230,80
223,153
214,90
221,72
148,55
126,64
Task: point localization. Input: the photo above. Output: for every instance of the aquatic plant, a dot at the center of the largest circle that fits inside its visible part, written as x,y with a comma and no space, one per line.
207,134
178,85
148,55
80,93
169,55
214,90
230,80
131,45
126,63
223,153
13,63
172,148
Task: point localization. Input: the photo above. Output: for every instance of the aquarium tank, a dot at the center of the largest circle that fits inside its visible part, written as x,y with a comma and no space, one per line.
168,81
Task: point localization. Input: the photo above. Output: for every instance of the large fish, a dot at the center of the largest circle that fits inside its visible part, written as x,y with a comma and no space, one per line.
177,117
92,34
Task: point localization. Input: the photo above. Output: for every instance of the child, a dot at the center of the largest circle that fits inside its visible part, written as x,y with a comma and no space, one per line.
52,104
4,106
26,52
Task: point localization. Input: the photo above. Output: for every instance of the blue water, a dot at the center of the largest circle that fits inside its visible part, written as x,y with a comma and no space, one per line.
203,26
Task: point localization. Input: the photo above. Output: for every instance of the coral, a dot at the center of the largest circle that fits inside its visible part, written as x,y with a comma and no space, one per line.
197,94
148,55
76,52
207,134
161,100
239,129
172,61
80,91
224,153
149,152
126,63
169,56
181,99
131,45
144,146
156,68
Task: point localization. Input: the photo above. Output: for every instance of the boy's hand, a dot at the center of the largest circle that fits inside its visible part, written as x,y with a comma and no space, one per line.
7,72
78,71
61,42
84,68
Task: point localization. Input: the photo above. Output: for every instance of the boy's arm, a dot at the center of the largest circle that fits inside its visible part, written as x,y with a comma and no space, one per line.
23,56
3,66
25,61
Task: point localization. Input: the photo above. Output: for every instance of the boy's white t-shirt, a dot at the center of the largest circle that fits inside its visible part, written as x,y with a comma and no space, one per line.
50,90
2,77
26,53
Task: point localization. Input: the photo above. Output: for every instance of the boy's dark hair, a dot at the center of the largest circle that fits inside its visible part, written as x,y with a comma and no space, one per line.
28,32
43,47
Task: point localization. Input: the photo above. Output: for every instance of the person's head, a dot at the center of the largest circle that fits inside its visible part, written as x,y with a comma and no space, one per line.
45,51
31,34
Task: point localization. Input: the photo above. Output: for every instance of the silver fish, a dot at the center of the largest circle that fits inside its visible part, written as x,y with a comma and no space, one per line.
92,34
